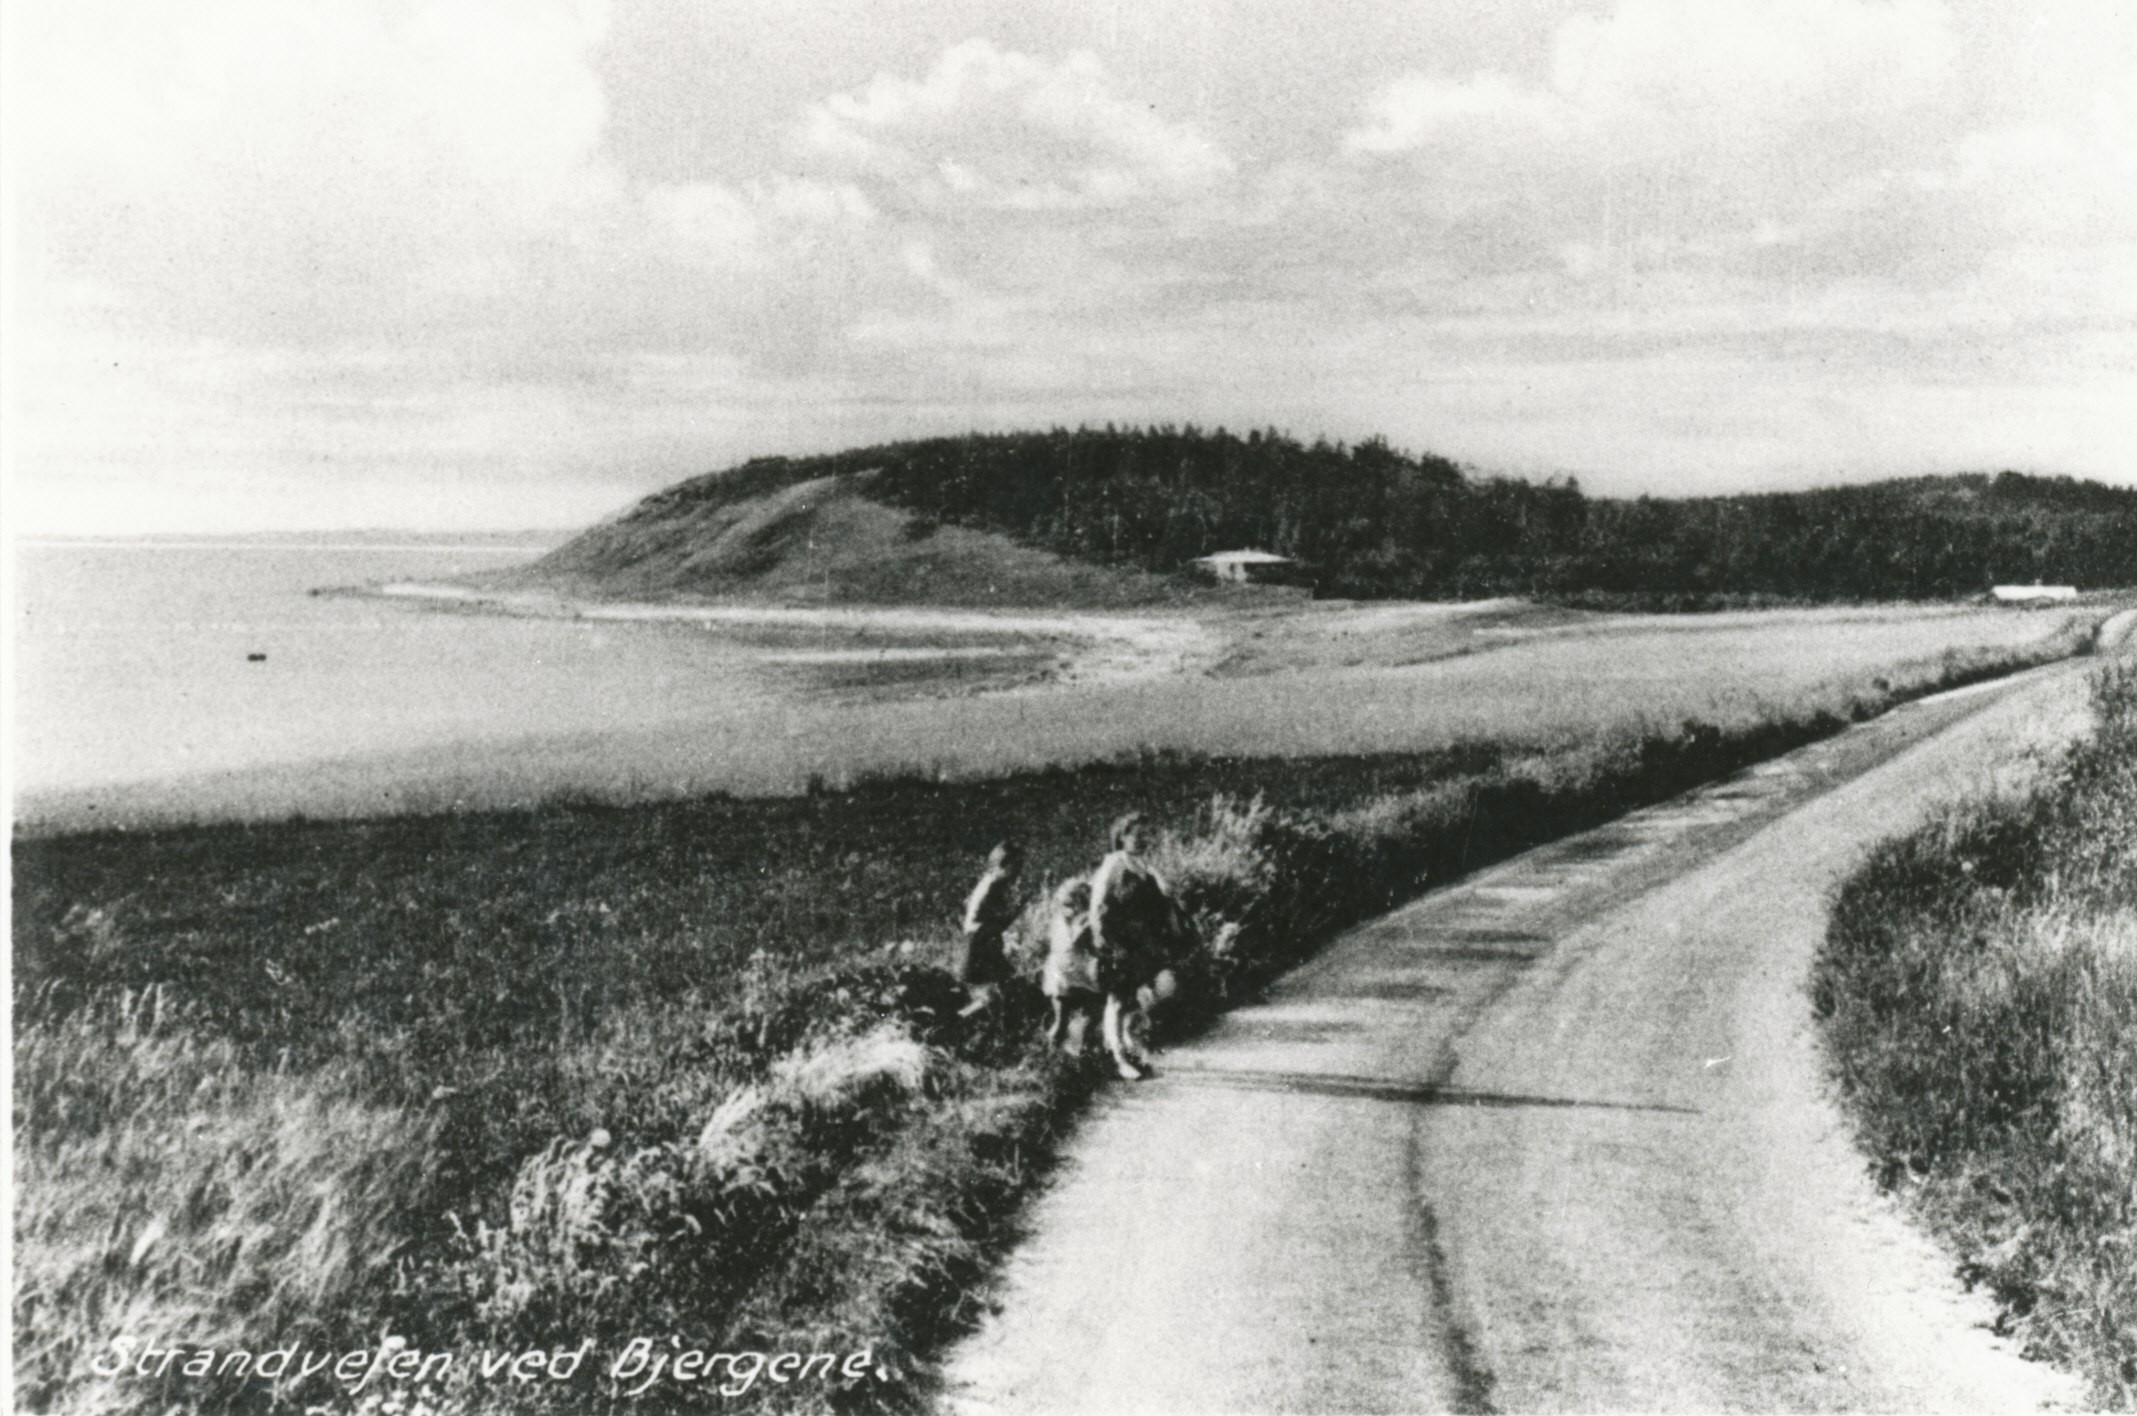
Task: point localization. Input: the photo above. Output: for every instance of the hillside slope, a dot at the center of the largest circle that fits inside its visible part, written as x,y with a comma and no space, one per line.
1109,517
824,540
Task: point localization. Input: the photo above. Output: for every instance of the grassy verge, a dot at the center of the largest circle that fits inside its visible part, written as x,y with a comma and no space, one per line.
514,1081
1978,991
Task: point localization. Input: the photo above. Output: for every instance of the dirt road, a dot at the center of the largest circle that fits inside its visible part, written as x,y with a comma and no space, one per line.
1553,1139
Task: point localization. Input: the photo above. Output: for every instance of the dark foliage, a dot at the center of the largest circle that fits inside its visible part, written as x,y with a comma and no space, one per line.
1373,522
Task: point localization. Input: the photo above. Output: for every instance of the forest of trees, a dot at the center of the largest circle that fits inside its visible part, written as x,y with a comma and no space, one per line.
1374,522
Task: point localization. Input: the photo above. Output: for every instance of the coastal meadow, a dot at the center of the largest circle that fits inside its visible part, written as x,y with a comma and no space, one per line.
518,1079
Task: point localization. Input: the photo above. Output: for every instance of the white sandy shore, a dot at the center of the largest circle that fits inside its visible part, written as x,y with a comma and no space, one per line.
1100,647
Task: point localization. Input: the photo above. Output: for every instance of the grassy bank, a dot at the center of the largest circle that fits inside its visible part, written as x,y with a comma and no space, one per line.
1978,991
503,1081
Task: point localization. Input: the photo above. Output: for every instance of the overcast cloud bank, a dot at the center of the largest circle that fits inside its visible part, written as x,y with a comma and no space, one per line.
457,263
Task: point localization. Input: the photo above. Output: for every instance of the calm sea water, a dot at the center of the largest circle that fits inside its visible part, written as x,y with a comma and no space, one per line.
135,662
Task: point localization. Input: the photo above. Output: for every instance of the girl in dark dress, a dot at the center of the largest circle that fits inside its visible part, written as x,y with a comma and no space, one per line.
989,912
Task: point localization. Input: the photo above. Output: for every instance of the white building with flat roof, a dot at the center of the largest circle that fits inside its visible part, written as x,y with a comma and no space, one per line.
2032,594
1251,568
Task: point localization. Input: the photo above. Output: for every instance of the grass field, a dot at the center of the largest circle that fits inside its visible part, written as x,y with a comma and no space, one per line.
498,1080
1978,992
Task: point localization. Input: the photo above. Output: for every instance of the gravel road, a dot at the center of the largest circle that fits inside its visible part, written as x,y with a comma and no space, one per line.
1552,1139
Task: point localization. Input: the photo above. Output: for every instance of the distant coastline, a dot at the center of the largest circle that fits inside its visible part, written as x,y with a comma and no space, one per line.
488,543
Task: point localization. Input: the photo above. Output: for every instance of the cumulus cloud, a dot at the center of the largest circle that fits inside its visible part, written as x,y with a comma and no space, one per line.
516,237
246,161
386,221
1418,110
1676,131
994,128
425,181
2058,182
1660,78
753,226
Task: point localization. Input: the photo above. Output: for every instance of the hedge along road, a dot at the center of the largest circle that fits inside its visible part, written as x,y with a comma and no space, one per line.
1552,1139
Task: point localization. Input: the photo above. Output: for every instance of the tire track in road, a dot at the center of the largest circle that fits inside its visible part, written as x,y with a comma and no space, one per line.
1366,1193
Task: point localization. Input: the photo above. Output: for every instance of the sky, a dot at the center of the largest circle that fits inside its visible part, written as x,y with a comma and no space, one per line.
462,264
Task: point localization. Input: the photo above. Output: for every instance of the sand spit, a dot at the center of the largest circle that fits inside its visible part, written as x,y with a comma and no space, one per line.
1099,648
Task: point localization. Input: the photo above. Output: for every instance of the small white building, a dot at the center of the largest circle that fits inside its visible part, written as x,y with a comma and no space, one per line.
1251,568
2035,593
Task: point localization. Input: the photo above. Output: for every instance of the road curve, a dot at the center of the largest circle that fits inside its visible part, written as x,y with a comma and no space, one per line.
1551,1139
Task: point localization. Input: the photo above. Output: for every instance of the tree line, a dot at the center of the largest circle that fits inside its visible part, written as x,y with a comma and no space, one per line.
1374,522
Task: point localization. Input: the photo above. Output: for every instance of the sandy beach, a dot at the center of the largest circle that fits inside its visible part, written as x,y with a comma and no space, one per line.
1098,647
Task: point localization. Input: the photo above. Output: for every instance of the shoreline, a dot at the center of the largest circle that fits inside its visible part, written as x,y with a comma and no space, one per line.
1457,688
1111,647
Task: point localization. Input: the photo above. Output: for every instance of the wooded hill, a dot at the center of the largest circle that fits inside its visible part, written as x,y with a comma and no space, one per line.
1372,522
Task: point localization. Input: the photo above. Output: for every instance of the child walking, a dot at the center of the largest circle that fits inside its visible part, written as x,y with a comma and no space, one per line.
989,912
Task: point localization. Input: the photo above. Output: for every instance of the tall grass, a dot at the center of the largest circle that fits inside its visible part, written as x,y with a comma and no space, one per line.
1978,990
526,1079
168,1194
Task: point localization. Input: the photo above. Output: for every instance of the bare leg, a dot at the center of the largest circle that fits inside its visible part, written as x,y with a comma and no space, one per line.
1135,1032
1129,1069
1074,1013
